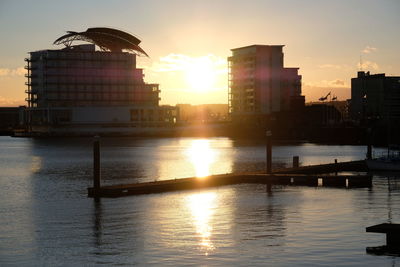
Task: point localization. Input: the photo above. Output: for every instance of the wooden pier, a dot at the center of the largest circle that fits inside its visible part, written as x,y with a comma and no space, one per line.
317,175
343,181
354,166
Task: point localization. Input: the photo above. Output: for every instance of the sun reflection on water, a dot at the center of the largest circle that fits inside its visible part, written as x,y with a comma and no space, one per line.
202,156
202,207
36,164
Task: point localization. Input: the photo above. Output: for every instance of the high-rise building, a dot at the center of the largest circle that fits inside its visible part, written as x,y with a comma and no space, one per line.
79,89
259,84
375,98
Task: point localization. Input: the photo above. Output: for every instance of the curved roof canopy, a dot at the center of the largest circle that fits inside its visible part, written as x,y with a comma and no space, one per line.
106,38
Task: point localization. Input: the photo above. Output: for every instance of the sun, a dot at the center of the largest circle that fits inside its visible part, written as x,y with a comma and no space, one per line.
201,74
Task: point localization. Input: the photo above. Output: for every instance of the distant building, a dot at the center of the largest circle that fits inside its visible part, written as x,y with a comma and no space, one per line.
260,85
341,106
78,89
322,115
206,113
11,118
375,98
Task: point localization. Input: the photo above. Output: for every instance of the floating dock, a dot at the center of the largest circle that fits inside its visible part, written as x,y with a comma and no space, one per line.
392,231
344,181
353,166
316,175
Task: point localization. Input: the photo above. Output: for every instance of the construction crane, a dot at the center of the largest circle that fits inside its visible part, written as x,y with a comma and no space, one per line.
325,98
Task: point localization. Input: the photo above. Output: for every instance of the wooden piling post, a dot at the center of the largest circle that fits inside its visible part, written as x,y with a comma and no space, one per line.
96,163
295,161
336,167
269,160
269,152
369,141
269,187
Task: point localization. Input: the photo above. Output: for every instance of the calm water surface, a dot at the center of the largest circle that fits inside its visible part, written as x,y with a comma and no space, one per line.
47,220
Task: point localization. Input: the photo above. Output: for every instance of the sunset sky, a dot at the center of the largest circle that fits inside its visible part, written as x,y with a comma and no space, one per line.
189,41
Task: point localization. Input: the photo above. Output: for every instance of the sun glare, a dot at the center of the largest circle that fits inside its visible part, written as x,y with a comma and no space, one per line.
201,74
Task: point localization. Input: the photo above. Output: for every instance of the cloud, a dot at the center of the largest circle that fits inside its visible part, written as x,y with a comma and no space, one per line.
369,49
333,66
368,65
180,62
6,72
19,71
338,82
329,66
327,83
199,74
10,102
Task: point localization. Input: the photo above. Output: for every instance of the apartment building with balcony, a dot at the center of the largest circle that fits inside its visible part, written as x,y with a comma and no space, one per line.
260,85
92,88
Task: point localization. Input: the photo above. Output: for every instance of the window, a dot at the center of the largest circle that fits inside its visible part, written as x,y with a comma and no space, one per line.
134,115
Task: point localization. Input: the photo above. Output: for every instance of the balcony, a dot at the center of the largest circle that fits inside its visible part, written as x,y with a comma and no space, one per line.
31,83
31,100
30,67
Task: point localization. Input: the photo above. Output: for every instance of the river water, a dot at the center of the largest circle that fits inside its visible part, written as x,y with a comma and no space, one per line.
46,218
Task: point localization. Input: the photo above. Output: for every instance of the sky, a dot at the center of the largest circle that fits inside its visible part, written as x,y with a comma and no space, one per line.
189,41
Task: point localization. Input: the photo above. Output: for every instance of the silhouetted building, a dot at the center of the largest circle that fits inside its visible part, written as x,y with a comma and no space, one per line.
341,106
322,115
260,85
375,98
79,89
11,118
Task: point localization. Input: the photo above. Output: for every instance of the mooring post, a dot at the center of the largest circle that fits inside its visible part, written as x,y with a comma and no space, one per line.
295,161
269,187
269,160
369,141
96,163
269,152
336,167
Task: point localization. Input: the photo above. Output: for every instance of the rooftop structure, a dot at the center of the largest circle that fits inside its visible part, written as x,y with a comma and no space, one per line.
106,38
